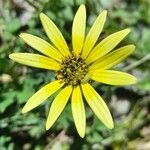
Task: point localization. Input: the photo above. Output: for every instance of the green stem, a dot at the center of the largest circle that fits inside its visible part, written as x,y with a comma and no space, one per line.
137,63
32,4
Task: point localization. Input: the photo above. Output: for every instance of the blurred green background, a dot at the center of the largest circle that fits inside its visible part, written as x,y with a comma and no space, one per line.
129,105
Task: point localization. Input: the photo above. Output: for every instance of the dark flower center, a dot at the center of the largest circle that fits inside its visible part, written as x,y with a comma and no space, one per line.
73,70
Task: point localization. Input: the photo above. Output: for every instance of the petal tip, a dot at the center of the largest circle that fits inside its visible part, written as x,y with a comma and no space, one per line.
81,132
82,6
105,12
128,30
23,111
48,126
110,123
42,15
11,56
22,35
132,46
125,31
111,126
133,80
82,135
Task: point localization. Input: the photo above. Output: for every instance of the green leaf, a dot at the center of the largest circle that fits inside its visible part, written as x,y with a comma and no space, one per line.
3,141
144,85
27,90
7,100
8,35
13,25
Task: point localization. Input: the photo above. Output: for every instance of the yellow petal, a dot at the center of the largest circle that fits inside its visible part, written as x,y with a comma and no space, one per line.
78,111
78,30
41,95
106,45
97,104
35,60
113,77
112,58
93,34
42,46
58,105
54,34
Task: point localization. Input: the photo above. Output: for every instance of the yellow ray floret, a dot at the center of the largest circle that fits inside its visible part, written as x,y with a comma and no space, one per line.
112,58
42,46
93,34
78,111
106,45
54,34
78,30
97,104
113,77
35,60
41,95
58,105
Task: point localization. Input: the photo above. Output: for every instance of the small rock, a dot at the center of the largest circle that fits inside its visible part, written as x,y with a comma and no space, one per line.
120,107
5,78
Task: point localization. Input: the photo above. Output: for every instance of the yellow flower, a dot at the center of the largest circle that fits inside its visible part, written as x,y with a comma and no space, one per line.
75,68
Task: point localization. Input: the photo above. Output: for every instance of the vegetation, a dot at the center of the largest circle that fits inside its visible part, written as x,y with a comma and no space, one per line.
129,105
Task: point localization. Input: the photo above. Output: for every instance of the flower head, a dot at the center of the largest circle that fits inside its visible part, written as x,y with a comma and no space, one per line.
75,68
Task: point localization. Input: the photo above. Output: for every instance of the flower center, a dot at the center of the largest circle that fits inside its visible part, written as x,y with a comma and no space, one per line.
73,70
